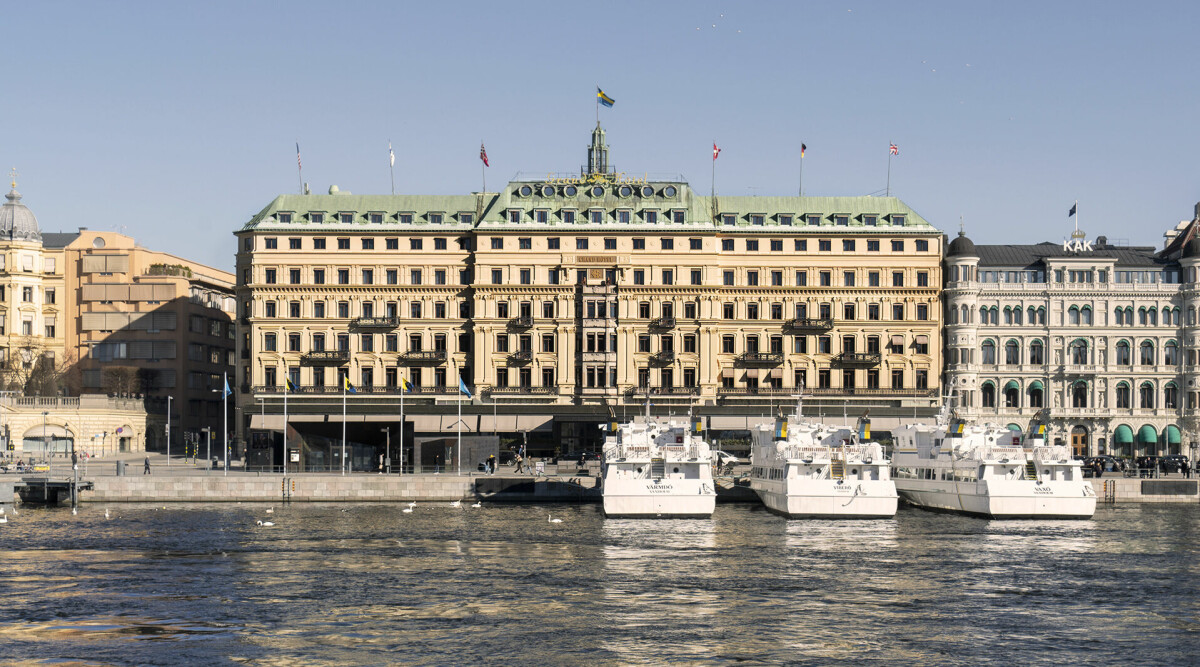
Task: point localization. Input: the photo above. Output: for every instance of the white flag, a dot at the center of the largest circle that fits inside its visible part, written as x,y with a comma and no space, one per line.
391,155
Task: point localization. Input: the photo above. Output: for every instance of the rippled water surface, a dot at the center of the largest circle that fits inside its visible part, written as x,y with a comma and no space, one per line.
369,584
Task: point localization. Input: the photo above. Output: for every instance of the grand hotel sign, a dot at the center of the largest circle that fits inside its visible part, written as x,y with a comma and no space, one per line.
617,178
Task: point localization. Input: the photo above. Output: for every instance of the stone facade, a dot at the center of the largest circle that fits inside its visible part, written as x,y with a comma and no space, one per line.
93,423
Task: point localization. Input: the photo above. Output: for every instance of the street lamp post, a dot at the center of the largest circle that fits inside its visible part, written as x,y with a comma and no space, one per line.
168,430
45,436
387,448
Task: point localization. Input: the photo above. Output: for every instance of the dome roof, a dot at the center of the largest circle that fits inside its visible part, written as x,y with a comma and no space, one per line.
1191,249
961,246
17,222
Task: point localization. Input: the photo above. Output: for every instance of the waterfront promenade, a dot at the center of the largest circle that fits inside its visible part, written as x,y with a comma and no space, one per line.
187,481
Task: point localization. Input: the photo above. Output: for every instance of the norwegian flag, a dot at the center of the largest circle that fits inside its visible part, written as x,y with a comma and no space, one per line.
483,155
716,151
895,150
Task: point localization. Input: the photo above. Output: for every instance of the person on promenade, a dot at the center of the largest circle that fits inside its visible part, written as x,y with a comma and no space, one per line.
146,469
491,464
517,463
1097,469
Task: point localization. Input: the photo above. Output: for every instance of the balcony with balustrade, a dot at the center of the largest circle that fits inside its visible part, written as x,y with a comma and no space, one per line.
325,358
857,359
423,357
375,323
808,324
760,358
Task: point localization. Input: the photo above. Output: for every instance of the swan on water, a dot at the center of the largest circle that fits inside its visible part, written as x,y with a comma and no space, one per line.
477,505
266,524
552,519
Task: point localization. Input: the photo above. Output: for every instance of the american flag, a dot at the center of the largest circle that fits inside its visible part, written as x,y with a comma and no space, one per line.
894,149
298,164
483,155
716,151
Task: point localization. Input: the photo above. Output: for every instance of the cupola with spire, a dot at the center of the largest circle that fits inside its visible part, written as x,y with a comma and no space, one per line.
17,222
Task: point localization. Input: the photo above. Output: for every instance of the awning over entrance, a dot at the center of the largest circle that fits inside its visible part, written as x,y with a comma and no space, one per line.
1147,434
1123,435
1173,435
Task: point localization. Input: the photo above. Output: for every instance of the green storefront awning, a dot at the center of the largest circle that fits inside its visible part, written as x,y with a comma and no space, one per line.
1146,434
1173,435
1123,435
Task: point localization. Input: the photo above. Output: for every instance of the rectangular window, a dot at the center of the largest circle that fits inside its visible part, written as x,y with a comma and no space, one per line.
497,243
294,244
752,278
922,245
639,277
568,217
668,277
728,219
552,243
727,245
651,217
439,244
610,244
526,277
801,278
897,279
668,244
414,276
873,245
524,243
870,220
696,276
497,277
751,245
848,278
343,244
318,244
271,243
597,217
757,219
826,278
825,245
343,276
847,245
269,277
727,311
581,244
897,246
727,278
696,244
623,216
801,245
415,244
639,244
368,244
776,245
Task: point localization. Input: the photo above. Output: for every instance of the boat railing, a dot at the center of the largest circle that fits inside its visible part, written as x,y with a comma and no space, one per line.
1053,454
862,453
807,453
1002,453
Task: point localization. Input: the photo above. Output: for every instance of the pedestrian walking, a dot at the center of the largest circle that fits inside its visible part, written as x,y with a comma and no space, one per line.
146,469
491,464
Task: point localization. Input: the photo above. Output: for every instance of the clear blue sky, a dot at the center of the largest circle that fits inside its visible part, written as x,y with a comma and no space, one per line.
175,122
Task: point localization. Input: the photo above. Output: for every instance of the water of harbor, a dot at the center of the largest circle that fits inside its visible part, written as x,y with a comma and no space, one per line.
370,584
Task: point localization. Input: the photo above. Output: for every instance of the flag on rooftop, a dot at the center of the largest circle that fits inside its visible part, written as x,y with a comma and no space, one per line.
716,151
1071,213
483,155
894,149
604,99
802,149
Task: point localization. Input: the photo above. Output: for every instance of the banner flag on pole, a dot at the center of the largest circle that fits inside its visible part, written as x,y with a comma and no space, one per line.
604,99
347,386
483,155
462,388
895,150
716,151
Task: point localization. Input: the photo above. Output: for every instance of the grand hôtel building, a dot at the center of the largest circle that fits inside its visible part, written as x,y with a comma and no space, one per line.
563,302
1101,334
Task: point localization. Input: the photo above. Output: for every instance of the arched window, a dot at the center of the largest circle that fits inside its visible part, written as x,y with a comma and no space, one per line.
988,352
1017,316
1171,396
1041,315
1085,316
1079,394
1123,358
1122,394
1175,316
1146,396
1171,353
1146,353
1128,316
1008,317
1119,316
995,315
1078,351
988,395
1012,395
966,315
1032,315
1142,316
1037,353
1073,315
983,315
1012,352
952,315
1036,393
1152,316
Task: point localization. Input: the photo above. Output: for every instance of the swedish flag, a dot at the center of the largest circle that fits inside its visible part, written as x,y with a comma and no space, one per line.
347,386
604,99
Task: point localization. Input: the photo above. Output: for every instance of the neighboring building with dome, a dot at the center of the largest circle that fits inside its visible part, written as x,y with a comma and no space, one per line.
1093,331
92,312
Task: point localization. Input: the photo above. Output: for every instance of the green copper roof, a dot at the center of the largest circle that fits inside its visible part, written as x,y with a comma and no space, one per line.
528,202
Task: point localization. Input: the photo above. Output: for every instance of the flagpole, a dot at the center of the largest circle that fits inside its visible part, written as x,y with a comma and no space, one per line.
285,444
225,407
801,193
713,191
1076,215
401,425
345,383
392,165
482,168
889,176
458,425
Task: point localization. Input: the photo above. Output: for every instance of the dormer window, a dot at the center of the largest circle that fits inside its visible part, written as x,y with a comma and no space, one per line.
435,218
841,220
375,217
814,219
677,216
898,218
596,216
406,218
728,219
466,218
870,220
568,216
345,218
514,215
651,217
284,217
624,216
757,219
541,216
316,218
785,219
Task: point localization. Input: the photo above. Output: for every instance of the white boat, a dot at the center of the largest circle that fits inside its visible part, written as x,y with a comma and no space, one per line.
806,470
657,468
986,470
